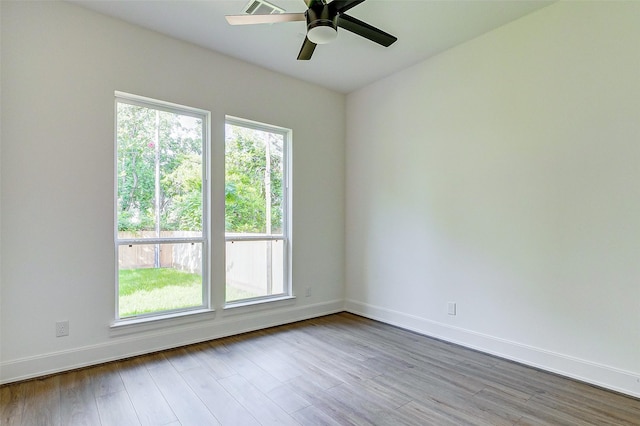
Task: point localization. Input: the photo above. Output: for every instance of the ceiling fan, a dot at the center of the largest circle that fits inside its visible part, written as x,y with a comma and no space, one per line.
323,19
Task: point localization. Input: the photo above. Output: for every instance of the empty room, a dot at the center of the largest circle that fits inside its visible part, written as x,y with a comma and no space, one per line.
319,212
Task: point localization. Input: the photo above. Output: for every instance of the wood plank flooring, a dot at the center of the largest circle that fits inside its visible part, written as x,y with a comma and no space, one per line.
336,370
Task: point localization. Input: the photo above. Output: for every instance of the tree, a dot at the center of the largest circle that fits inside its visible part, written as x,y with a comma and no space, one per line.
183,186
253,172
159,170
160,174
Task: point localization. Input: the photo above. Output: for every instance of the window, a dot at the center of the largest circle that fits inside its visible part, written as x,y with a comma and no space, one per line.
256,211
161,207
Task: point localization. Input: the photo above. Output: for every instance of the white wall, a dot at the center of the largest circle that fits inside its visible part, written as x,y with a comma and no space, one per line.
504,175
60,67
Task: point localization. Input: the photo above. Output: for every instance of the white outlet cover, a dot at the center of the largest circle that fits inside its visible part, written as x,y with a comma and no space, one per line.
62,328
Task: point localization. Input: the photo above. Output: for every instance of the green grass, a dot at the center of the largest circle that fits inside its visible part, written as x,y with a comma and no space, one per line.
157,289
147,290
235,294
134,280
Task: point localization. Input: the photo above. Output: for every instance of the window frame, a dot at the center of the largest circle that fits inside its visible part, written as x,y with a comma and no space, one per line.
204,239
286,237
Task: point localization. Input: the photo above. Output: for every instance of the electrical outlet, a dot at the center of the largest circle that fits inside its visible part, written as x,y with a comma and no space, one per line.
451,308
62,328
307,292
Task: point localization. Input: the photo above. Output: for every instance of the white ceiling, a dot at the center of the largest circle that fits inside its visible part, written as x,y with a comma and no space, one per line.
423,28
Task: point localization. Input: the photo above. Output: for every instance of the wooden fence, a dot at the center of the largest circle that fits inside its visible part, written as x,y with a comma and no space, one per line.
182,256
253,266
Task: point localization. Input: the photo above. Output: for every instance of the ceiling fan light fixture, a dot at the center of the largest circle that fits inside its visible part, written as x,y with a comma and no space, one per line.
322,34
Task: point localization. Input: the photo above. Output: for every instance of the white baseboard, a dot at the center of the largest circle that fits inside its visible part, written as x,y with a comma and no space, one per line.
134,344
596,374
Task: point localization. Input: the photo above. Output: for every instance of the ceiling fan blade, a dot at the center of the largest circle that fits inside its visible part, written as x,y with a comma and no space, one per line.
342,6
265,19
307,50
365,30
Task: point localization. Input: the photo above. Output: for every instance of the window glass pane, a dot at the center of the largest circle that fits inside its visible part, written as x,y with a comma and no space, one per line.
159,170
254,269
254,176
255,210
159,277
160,208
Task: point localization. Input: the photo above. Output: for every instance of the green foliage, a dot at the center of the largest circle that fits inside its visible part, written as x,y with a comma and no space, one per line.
135,165
147,137
245,176
127,223
184,187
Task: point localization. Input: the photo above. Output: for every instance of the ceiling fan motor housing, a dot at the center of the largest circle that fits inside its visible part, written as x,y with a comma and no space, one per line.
322,24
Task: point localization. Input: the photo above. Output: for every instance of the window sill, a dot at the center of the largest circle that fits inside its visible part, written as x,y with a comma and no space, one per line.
257,304
127,326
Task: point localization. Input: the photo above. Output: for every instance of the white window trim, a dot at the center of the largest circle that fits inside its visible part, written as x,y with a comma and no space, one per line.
131,99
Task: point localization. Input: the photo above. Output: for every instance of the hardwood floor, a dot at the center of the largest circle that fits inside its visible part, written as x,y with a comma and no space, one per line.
336,370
